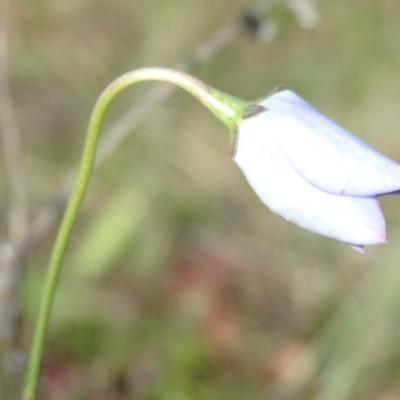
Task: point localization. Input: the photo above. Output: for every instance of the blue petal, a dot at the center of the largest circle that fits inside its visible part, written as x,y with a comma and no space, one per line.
326,155
358,221
358,248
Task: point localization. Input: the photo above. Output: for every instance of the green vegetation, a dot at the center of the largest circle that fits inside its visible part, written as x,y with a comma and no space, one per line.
179,283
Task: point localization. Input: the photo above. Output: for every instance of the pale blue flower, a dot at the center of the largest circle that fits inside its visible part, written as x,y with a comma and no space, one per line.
314,173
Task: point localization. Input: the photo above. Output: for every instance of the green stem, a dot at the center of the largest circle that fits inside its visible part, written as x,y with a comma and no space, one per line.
227,108
2,389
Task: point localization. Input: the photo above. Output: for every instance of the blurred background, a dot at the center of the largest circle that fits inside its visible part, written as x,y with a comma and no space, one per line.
178,283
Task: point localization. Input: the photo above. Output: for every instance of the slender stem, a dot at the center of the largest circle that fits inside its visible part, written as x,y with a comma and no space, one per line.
1,386
227,108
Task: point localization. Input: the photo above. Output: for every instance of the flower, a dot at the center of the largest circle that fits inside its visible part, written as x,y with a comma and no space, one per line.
313,172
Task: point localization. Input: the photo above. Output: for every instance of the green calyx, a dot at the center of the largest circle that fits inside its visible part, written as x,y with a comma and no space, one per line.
228,109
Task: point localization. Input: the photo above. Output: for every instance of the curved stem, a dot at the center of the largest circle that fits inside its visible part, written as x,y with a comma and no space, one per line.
227,108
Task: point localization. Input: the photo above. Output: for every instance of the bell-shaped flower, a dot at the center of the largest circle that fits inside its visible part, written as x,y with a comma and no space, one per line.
312,172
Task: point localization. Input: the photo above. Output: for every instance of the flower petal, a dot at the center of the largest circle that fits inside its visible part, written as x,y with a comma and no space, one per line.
358,221
358,248
326,155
